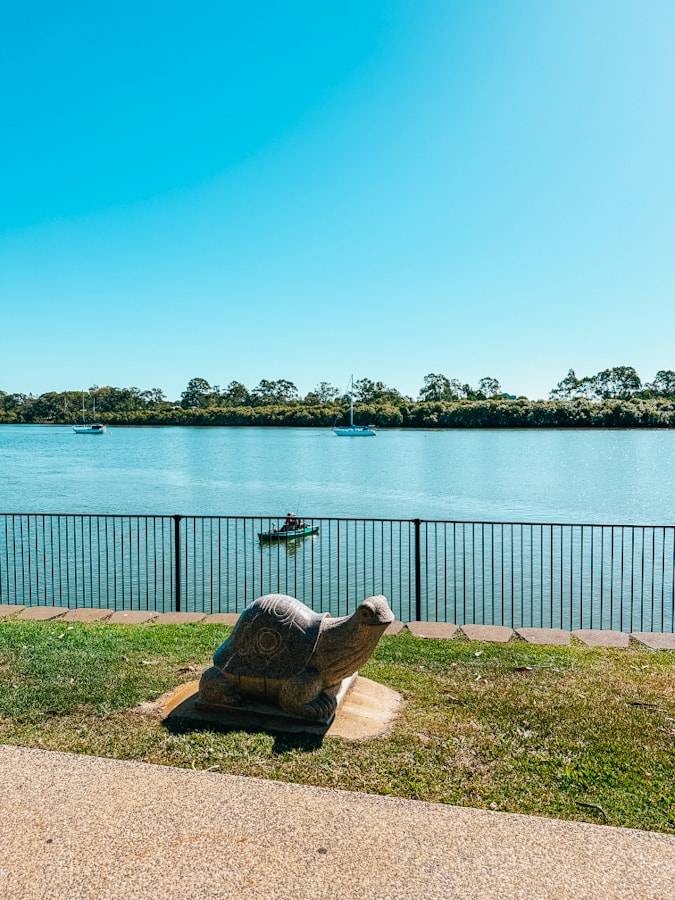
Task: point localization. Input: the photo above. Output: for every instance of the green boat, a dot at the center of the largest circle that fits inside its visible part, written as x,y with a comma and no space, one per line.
278,535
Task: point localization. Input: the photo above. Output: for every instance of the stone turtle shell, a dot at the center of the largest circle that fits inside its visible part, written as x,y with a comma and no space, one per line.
274,637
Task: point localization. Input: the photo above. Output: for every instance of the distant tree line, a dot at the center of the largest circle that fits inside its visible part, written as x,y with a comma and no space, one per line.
614,397
618,383
199,394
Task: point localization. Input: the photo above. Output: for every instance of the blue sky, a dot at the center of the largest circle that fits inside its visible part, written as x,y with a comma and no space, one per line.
304,190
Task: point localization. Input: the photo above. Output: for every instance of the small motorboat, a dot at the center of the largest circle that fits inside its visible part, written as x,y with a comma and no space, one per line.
278,534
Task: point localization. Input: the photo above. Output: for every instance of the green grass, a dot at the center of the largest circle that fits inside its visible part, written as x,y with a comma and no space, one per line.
567,732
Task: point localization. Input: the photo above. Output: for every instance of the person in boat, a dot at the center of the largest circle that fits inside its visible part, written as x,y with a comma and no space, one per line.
292,522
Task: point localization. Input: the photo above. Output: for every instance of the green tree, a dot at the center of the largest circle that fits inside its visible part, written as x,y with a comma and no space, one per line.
16,402
154,397
367,391
278,392
235,394
48,406
437,387
489,387
322,393
196,394
114,399
618,383
568,388
663,384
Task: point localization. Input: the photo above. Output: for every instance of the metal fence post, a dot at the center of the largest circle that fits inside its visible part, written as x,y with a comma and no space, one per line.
176,548
418,572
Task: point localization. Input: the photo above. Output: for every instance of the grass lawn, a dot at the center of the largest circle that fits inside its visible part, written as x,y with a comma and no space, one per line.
573,733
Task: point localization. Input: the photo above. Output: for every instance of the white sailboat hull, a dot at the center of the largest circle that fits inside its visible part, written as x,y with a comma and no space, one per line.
354,431
90,429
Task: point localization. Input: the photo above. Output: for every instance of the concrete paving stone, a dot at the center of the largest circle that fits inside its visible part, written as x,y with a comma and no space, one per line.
178,618
547,637
441,630
593,638
9,609
103,829
87,615
43,613
131,617
395,628
654,640
221,619
493,634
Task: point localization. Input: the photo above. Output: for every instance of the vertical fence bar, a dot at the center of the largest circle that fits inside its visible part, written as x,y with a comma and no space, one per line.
418,571
177,554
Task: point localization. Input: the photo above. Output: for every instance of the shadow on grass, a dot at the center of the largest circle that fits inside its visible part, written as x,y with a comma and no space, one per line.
283,741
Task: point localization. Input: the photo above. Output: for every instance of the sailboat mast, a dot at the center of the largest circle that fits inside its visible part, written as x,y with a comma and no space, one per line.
351,404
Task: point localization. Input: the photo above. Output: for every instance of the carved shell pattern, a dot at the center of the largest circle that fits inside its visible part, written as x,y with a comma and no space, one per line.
274,638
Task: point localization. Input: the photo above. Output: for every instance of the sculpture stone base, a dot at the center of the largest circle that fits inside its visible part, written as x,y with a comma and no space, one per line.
365,710
255,712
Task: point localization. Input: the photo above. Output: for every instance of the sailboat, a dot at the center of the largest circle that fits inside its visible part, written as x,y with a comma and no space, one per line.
353,430
89,428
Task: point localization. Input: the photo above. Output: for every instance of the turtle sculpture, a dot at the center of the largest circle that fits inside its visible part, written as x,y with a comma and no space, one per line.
285,653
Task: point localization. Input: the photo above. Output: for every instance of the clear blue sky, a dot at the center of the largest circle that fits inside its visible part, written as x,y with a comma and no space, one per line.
308,189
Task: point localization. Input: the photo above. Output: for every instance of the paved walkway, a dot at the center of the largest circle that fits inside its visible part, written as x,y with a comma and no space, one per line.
81,827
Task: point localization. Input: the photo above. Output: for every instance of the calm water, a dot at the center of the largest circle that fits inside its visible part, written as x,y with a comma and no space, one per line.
486,475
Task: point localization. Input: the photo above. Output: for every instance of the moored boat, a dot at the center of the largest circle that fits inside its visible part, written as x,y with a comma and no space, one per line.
89,427
96,428
353,430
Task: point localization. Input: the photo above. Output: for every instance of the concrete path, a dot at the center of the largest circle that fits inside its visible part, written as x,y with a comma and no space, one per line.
80,827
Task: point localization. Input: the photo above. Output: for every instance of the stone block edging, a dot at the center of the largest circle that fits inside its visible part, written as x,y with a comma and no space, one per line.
43,613
437,630
592,638
178,618
87,614
9,609
655,640
492,634
546,637
131,617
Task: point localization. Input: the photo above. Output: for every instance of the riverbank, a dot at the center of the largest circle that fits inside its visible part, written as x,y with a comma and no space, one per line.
495,413
569,732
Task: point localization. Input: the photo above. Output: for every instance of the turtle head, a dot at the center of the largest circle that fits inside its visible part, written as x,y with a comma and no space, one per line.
375,611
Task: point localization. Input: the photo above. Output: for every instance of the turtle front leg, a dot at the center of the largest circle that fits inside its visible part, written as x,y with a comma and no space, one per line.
304,696
216,689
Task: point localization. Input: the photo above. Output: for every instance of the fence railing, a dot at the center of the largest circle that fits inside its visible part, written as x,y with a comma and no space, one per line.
519,574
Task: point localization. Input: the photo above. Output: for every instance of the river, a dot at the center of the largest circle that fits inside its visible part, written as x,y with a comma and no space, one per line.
542,475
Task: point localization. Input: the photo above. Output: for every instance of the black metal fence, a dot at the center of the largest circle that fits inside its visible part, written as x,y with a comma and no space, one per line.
519,574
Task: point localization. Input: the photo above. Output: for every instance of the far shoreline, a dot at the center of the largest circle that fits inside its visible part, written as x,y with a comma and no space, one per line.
496,413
